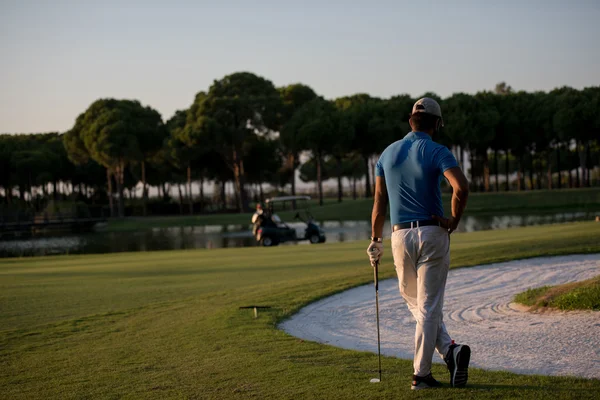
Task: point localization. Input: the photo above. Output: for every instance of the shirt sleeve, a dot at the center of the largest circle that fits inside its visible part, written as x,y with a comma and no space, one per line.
445,159
379,168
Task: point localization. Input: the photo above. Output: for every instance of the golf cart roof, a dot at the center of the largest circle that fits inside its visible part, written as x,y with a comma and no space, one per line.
286,198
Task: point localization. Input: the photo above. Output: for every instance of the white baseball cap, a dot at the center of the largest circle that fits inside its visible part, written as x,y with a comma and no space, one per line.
429,106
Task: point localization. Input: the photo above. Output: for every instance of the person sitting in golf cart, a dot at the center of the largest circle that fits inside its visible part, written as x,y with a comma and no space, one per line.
265,215
258,213
270,230
262,218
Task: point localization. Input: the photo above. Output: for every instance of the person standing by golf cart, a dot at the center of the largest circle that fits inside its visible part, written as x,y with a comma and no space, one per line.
408,176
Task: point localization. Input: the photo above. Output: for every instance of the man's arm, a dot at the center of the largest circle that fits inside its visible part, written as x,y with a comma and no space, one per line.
460,194
379,207
375,249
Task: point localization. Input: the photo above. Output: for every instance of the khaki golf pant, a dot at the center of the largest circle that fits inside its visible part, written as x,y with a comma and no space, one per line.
422,258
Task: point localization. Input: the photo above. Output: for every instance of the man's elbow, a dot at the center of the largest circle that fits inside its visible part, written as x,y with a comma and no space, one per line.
462,190
461,187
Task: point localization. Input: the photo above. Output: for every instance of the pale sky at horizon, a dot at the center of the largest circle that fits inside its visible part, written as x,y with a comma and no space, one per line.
57,57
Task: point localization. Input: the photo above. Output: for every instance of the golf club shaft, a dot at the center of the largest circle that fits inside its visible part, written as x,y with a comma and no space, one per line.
376,272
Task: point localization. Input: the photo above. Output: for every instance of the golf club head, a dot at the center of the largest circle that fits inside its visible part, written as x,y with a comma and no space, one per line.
375,380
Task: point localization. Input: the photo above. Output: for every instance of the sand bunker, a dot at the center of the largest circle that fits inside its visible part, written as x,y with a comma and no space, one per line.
478,312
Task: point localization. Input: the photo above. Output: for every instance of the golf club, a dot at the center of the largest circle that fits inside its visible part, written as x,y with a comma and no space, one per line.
376,273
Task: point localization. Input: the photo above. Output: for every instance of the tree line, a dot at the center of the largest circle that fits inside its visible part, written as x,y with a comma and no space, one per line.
245,130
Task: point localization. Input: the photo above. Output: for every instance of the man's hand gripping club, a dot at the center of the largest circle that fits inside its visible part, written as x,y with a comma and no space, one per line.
375,251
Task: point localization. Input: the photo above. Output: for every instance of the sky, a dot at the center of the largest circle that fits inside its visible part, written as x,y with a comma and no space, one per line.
58,56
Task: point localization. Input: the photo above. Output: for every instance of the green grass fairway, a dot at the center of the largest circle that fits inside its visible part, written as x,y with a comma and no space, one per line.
166,325
480,204
584,295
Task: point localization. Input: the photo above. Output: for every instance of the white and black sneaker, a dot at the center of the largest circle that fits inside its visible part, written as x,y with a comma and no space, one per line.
457,359
424,382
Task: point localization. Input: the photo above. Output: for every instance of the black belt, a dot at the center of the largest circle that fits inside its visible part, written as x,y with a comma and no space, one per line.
415,224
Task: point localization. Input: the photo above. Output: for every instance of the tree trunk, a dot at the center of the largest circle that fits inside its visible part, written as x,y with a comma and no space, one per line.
506,167
354,188
201,192
293,158
472,184
180,199
588,162
570,176
540,172
236,197
109,192
549,171
520,182
581,156
29,189
462,158
319,180
339,177
240,182
497,169
367,178
531,187
558,183
293,161
223,196
261,193
189,184
486,172
120,176
144,189
577,180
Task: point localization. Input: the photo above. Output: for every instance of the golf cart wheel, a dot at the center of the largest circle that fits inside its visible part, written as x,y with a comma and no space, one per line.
268,241
314,239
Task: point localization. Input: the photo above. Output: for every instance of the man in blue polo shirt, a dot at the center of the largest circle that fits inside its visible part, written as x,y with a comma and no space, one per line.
409,173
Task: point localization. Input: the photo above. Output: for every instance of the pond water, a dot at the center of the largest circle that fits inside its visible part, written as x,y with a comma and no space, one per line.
220,236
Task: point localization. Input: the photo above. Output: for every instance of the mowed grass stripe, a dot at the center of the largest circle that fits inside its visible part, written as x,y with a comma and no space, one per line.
167,324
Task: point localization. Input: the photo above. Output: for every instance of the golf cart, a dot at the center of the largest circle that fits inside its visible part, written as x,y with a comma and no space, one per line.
270,230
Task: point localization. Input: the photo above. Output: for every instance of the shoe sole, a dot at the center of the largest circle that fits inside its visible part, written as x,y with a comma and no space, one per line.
461,357
422,386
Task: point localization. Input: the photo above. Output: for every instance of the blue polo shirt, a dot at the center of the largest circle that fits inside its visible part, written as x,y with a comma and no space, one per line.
413,169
